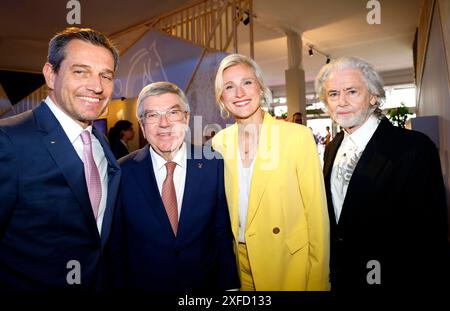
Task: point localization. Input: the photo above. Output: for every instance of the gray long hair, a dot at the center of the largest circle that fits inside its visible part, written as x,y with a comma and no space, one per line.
371,77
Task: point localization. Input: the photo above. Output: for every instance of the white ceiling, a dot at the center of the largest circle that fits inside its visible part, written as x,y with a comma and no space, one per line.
336,27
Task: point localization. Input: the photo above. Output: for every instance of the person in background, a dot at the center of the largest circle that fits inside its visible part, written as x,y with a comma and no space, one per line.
385,192
172,230
274,187
327,138
58,178
119,136
297,118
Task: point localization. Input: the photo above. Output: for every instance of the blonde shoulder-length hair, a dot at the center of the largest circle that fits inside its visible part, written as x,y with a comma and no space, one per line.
233,60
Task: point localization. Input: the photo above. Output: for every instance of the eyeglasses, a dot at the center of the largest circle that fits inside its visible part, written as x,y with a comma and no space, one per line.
172,115
349,93
246,84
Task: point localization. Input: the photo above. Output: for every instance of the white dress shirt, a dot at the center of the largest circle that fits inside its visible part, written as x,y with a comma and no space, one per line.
179,175
73,131
347,158
245,181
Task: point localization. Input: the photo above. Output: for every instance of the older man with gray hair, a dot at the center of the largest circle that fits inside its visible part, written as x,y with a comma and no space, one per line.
171,231
385,190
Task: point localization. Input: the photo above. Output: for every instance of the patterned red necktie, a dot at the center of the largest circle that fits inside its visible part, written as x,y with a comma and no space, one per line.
91,172
169,197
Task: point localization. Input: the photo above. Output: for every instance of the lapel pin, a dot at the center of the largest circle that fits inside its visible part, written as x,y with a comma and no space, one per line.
200,165
52,142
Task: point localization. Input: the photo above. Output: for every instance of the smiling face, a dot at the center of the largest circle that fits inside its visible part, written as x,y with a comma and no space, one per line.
165,136
348,99
241,94
83,85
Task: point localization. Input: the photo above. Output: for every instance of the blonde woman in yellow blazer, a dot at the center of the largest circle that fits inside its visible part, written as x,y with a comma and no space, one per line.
274,187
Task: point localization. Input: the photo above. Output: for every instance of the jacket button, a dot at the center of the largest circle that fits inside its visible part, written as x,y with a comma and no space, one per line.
276,230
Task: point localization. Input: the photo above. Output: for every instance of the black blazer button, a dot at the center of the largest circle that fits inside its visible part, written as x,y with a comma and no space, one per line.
276,230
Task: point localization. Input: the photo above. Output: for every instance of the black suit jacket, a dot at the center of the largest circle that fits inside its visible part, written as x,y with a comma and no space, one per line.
394,212
147,256
46,218
118,149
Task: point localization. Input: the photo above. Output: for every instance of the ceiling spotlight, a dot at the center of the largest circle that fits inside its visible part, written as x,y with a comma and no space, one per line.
247,19
328,60
311,53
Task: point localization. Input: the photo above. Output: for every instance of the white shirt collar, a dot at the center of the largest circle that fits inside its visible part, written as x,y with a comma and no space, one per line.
362,135
180,157
70,127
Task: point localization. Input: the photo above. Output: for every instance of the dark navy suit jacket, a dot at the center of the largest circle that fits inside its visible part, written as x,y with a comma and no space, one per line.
46,218
147,255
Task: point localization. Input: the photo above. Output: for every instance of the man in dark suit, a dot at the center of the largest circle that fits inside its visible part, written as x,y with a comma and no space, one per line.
58,178
385,191
172,230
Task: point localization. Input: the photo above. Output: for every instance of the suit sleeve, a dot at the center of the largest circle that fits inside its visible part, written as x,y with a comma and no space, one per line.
228,275
116,249
427,213
8,181
312,189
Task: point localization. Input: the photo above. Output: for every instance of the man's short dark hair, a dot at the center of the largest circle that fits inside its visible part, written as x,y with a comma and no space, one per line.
57,45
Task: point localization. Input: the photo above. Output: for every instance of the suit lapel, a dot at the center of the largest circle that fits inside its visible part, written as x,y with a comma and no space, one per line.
145,177
328,161
66,158
194,170
229,153
265,164
113,172
373,160
330,154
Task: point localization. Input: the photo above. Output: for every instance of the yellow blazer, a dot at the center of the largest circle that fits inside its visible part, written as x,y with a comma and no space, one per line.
287,231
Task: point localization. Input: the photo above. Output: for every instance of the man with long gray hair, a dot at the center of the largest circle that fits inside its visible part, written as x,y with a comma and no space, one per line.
385,190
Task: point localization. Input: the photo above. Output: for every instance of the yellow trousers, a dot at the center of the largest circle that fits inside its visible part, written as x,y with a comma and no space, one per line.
245,270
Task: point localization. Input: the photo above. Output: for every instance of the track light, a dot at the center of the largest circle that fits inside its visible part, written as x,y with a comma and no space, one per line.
243,16
247,19
312,49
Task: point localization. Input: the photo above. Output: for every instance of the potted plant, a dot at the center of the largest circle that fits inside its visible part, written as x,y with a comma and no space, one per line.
399,115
